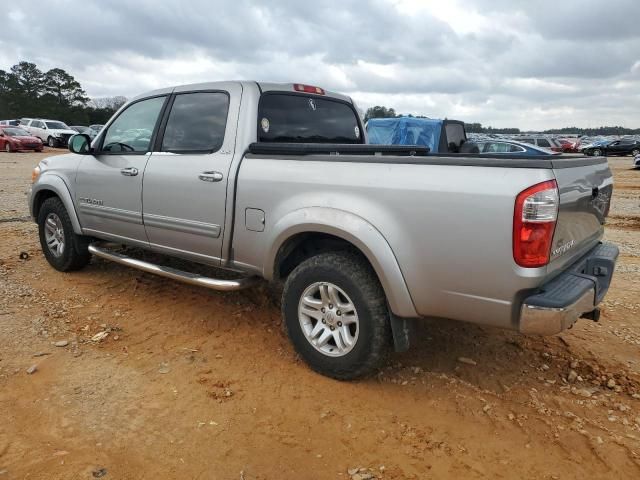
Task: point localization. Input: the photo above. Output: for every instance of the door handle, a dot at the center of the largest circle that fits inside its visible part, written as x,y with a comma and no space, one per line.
129,172
210,176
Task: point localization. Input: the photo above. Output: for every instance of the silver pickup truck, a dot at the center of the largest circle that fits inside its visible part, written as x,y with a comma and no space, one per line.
276,181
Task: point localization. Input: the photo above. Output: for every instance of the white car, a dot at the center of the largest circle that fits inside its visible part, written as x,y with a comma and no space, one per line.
52,132
636,161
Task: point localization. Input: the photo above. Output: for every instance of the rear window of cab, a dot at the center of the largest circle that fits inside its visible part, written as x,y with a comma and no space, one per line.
299,118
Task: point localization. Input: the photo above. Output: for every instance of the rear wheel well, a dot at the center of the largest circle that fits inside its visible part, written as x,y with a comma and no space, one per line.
302,246
41,196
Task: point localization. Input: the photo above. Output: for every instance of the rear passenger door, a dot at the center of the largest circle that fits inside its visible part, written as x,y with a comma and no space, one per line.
185,183
614,148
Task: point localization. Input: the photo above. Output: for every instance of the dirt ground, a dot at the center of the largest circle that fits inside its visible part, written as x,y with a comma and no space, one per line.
192,384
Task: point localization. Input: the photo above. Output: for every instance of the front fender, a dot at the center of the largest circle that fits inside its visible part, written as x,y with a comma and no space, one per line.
357,231
55,184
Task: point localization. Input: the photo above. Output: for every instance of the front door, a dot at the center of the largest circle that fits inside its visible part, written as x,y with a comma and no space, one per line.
109,183
185,183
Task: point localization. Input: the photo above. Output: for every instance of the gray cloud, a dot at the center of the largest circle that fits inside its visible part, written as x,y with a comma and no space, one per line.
529,64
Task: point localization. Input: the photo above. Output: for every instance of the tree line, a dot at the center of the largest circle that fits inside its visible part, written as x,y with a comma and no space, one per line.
27,91
384,112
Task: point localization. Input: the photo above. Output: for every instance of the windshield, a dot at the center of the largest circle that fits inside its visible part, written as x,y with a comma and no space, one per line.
56,126
307,119
15,132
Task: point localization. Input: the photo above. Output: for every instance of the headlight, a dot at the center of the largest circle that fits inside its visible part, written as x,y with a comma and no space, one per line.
56,134
35,174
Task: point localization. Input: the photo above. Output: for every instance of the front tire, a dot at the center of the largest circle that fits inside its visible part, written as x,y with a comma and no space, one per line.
64,250
51,142
635,152
336,315
7,147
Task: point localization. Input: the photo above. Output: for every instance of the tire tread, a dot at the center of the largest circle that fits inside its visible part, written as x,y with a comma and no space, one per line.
355,267
77,255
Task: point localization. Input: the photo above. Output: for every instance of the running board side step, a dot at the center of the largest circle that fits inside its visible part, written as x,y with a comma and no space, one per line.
172,273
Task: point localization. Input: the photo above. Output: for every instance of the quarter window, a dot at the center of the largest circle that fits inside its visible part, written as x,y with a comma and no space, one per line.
196,123
133,129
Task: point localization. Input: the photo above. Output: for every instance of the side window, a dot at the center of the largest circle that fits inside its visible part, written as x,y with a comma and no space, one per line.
196,123
497,147
516,148
543,142
132,130
36,124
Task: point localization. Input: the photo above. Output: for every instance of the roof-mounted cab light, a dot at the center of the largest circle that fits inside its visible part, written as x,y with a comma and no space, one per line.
298,87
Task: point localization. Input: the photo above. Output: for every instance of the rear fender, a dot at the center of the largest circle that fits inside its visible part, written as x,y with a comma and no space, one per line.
355,230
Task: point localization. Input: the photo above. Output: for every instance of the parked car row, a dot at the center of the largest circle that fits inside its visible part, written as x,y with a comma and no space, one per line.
53,133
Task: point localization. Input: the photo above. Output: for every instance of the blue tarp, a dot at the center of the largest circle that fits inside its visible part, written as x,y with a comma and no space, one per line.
405,131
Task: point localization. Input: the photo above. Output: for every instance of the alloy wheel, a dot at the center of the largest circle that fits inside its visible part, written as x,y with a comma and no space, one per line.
54,234
328,319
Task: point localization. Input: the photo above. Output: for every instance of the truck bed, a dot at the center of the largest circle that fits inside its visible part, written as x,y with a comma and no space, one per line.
447,218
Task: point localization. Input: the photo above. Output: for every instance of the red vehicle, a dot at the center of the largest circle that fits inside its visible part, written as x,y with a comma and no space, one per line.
567,145
16,139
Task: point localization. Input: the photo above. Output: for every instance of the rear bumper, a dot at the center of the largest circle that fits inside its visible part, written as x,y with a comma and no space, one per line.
559,303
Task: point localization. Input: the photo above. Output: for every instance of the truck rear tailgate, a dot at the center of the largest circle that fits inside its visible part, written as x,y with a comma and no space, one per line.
585,189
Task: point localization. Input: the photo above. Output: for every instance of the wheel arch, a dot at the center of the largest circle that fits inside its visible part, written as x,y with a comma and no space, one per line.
53,186
325,229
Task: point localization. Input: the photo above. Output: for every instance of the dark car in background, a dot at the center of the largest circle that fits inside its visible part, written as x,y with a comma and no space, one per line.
625,146
16,139
96,127
86,130
499,146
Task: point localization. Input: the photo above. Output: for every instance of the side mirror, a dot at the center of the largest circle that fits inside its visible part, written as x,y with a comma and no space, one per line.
80,144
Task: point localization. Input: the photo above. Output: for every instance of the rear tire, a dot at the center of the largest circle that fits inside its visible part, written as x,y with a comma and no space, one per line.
596,153
337,280
55,229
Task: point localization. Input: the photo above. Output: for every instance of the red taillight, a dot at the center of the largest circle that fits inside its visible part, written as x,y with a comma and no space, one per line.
298,87
534,221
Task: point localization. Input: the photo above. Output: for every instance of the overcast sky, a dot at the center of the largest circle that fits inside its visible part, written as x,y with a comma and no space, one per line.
531,64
